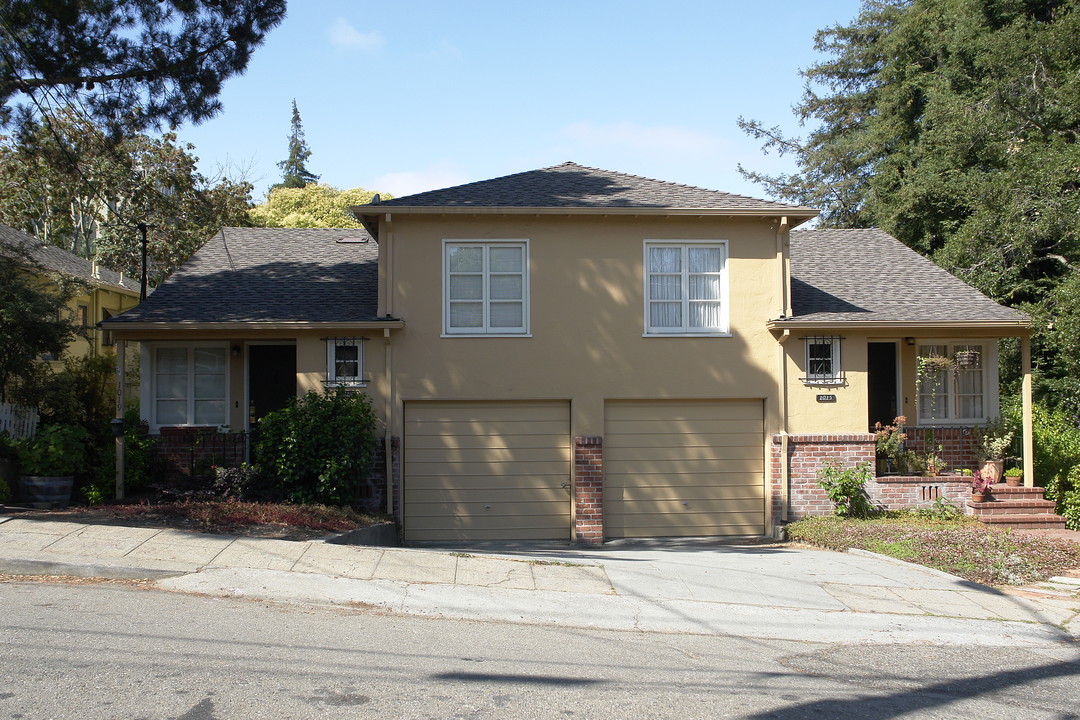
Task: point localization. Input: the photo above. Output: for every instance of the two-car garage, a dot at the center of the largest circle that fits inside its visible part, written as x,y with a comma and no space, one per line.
503,470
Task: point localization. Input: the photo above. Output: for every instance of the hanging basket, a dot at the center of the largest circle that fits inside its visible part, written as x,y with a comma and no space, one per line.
966,359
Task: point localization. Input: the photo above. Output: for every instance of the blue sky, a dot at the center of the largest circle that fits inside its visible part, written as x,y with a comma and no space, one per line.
402,97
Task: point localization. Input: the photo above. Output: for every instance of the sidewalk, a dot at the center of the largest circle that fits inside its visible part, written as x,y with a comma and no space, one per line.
675,586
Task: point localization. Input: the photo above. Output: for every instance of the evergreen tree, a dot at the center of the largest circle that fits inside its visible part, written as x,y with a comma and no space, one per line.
954,125
128,64
294,171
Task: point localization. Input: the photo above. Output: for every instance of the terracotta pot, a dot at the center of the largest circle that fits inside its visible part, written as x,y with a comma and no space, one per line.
1012,481
992,470
978,497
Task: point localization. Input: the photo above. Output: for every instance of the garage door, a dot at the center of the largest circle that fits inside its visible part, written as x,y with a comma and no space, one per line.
486,471
683,468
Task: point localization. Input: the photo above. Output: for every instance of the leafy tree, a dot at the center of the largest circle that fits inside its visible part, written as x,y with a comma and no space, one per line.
315,206
34,319
131,64
69,186
294,169
953,125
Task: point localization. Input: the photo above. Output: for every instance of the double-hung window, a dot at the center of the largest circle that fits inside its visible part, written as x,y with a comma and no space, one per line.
686,288
189,385
486,287
953,391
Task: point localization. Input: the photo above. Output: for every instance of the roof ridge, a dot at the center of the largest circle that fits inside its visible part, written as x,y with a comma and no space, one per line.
672,183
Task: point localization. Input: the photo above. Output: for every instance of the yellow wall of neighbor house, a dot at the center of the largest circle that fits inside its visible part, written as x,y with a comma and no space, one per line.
587,315
310,360
92,340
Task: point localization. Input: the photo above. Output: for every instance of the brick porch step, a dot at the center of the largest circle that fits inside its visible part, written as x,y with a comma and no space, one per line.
1017,507
1024,522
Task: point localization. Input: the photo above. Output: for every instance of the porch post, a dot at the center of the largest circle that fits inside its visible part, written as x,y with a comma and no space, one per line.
118,423
1029,442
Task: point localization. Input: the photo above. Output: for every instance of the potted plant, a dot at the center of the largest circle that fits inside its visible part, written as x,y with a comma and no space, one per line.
1014,476
991,450
933,462
980,487
890,442
931,376
47,465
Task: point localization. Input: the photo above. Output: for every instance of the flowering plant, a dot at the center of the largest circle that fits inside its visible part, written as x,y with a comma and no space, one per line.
979,483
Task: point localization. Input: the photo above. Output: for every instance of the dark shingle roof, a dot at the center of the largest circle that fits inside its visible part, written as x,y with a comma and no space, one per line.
867,275
53,258
575,186
269,275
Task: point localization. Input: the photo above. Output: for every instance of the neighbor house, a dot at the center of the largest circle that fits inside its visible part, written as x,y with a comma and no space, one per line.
104,293
573,353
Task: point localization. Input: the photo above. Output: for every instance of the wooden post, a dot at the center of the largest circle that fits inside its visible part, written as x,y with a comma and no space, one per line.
1029,441
121,361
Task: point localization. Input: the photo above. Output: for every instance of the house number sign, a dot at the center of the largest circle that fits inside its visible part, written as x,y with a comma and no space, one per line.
826,398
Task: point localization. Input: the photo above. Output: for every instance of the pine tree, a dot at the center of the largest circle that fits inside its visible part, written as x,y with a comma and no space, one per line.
294,172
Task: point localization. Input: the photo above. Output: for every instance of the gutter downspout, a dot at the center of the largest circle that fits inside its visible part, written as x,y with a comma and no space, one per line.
783,295
785,491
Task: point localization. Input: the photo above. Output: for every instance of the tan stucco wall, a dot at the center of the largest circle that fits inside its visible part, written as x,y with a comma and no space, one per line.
848,414
587,316
96,300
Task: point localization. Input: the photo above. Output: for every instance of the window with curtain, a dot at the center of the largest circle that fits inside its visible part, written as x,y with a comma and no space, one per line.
345,362
486,288
956,394
686,288
189,386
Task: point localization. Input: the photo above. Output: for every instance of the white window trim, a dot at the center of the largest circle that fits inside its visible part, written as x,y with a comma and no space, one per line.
332,380
837,375
526,313
725,330
991,390
147,367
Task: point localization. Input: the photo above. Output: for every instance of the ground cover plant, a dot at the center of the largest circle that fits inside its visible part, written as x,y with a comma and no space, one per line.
229,517
946,541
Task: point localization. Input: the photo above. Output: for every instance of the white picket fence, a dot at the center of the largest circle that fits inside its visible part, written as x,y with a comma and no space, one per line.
18,421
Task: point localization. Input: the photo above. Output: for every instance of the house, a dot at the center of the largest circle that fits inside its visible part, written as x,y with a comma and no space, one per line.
574,353
107,293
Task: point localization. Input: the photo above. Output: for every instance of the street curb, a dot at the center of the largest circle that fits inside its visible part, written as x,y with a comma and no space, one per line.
22,566
380,535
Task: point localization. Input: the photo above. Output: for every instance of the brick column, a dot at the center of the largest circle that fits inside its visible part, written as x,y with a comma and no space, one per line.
589,490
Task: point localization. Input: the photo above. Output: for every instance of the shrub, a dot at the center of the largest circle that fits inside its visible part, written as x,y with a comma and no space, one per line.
56,451
244,483
1056,458
846,487
137,458
319,448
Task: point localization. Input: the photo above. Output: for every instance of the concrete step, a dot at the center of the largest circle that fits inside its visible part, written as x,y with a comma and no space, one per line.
1025,522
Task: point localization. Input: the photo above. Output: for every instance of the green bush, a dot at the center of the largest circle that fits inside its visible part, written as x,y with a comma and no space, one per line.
137,458
319,448
56,451
1056,440
846,487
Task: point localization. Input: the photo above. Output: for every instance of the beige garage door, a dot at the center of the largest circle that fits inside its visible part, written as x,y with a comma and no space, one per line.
683,468
487,471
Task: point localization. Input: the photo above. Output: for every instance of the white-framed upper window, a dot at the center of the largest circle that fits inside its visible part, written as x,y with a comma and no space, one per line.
345,362
823,361
188,384
958,392
686,287
486,287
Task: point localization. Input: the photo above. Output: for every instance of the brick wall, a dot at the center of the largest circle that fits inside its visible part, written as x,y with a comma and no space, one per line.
897,492
589,490
805,456
957,444
185,453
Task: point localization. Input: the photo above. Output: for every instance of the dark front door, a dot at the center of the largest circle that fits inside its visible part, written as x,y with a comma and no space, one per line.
271,379
881,377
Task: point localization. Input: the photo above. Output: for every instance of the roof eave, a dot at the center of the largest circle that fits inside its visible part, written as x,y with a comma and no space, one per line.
120,326
370,213
1010,328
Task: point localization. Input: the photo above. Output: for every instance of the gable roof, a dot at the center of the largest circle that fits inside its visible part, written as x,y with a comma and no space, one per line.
268,276
572,187
862,276
59,260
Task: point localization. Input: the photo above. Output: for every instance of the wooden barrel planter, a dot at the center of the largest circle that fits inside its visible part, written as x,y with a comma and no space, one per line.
44,493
